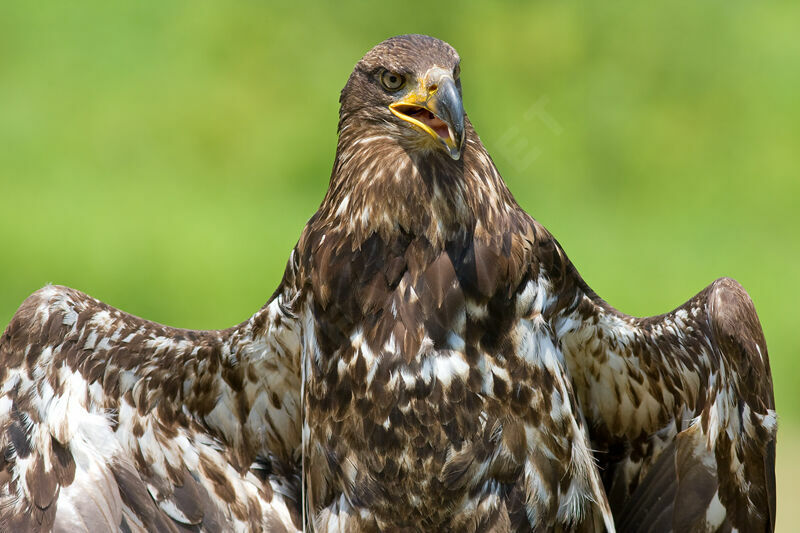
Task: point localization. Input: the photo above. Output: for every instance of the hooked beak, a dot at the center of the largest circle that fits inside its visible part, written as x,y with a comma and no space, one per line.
435,106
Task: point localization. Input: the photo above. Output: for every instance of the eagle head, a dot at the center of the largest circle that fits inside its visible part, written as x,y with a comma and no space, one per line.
409,84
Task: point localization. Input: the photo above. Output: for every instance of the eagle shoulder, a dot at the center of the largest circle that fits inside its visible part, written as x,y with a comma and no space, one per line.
433,375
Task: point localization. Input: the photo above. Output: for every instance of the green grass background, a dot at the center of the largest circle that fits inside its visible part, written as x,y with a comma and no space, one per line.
164,156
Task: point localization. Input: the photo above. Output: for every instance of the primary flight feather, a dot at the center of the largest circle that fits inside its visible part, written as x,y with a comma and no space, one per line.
431,361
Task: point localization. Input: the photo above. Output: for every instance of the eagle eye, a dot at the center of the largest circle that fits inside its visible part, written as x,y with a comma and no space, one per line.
392,80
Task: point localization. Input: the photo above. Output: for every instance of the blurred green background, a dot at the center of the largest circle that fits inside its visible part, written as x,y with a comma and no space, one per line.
164,156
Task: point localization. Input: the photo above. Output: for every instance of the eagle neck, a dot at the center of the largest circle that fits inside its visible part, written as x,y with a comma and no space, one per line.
380,184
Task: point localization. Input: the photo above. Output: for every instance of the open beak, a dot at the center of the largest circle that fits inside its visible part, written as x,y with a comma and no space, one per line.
436,108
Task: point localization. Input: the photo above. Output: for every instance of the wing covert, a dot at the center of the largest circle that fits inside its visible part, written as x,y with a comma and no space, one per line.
108,421
680,409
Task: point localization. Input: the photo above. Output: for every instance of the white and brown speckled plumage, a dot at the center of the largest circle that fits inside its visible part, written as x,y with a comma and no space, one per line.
109,422
432,361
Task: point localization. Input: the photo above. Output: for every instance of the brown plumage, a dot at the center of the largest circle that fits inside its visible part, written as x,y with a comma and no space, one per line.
431,361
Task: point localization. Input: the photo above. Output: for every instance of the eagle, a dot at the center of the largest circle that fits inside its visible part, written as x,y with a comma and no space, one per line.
431,361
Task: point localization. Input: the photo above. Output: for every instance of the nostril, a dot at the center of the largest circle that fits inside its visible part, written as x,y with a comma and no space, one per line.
432,88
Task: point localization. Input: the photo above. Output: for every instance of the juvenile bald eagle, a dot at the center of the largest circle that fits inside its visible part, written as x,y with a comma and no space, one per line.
431,361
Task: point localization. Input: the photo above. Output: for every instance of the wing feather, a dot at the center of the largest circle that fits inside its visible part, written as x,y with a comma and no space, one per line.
680,408
108,421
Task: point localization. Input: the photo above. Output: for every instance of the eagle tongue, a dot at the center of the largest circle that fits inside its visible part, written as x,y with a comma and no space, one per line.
429,119
435,123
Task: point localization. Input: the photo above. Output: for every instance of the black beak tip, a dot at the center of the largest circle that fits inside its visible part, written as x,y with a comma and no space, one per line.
452,112
456,149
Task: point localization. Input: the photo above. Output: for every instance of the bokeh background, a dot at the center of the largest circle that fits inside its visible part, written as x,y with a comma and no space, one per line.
164,156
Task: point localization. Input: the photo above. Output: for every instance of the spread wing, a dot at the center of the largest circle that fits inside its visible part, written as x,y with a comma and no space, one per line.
680,409
109,422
